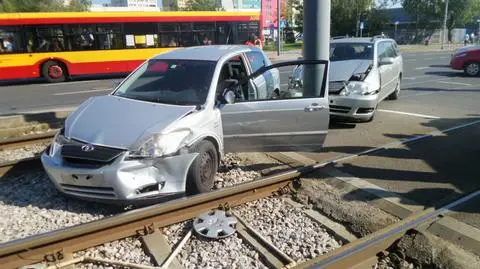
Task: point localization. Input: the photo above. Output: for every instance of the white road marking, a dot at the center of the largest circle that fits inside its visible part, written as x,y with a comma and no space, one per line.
418,82
69,83
414,78
409,114
422,68
454,83
429,59
411,60
418,94
284,84
443,57
80,92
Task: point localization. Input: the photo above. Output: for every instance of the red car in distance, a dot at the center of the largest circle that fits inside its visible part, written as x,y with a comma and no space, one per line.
467,59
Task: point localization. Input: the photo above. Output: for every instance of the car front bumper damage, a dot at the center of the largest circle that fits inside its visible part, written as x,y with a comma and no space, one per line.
122,181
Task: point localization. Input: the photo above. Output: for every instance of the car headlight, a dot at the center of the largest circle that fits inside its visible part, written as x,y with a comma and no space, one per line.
58,141
160,145
461,55
356,87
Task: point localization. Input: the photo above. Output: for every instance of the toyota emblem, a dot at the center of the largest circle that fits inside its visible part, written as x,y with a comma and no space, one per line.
88,148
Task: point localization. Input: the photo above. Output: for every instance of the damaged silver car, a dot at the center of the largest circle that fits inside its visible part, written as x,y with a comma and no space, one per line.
363,72
163,131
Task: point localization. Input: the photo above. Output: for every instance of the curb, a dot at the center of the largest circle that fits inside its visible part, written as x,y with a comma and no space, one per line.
27,123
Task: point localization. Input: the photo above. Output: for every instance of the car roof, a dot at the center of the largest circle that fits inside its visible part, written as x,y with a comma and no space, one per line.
359,40
205,53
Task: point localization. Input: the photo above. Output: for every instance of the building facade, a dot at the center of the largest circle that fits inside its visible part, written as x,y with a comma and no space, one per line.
134,3
228,5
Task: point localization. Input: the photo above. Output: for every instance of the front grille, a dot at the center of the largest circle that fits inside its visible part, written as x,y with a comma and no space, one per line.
74,153
339,109
106,192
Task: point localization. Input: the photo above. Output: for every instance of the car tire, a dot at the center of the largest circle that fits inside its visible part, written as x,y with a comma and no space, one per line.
396,93
202,171
472,69
54,71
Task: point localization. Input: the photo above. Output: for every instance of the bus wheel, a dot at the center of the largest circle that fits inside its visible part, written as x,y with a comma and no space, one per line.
54,71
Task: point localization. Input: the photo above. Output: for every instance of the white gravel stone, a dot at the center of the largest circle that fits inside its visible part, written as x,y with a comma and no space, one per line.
231,174
22,153
125,250
198,252
30,204
288,228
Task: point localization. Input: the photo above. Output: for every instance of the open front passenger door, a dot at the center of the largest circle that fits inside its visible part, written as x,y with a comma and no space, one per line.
291,121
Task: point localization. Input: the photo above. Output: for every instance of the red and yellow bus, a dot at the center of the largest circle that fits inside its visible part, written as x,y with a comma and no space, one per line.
61,45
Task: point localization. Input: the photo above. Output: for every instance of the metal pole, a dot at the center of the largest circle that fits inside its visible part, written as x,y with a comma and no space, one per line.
445,23
316,40
278,28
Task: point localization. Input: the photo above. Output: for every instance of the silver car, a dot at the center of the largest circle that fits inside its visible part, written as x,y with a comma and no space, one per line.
162,132
363,72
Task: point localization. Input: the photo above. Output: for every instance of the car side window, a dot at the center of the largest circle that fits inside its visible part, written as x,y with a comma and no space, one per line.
382,50
256,60
234,71
391,50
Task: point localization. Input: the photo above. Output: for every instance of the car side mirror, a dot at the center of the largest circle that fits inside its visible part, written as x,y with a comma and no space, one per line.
229,96
386,61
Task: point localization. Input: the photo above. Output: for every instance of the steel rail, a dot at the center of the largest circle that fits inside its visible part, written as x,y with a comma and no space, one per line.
20,141
57,244
364,248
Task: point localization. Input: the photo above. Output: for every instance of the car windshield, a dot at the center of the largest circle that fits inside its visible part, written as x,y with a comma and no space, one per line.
178,82
351,51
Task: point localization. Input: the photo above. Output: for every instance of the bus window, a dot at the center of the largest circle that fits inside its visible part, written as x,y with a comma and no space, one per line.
82,37
109,37
11,40
144,35
223,34
46,38
168,34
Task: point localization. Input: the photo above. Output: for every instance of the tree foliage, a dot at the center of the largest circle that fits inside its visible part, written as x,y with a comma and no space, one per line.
346,16
460,12
202,5
43,5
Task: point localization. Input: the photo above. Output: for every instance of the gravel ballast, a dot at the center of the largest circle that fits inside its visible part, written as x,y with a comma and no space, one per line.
125,250
30,204
198,252
288,228
22,153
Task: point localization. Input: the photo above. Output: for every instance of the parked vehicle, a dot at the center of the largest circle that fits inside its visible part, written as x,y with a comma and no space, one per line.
363,72
467,59
163,130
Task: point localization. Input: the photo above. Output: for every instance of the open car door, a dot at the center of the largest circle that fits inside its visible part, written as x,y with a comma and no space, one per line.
295,120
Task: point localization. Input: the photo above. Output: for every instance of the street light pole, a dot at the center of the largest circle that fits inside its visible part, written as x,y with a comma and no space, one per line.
445,23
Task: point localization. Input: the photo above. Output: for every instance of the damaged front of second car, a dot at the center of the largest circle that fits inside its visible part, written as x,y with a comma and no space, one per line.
363,72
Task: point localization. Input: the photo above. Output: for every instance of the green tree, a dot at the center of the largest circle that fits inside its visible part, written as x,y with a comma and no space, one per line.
460,12
42,5
202,5
297,5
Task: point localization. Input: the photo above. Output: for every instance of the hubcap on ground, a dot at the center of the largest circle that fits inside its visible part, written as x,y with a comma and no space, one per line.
215,224
206,167
55,71
473,69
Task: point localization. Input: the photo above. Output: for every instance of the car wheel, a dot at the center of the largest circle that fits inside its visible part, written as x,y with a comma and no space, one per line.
202,172
394,95
54,71
472,69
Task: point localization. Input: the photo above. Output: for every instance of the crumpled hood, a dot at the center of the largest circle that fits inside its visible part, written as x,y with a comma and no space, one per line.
119,122
343,70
